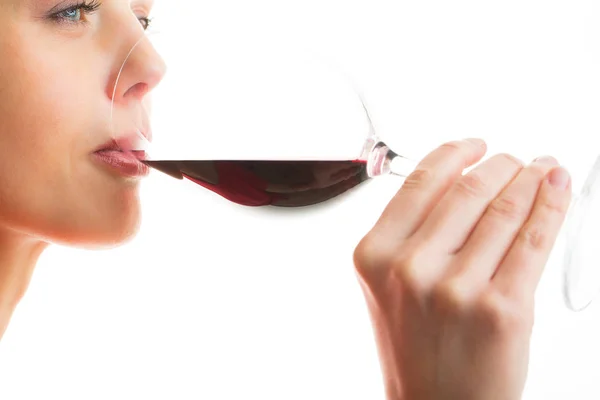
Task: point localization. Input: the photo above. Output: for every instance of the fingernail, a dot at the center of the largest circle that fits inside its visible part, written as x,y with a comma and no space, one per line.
559,178
547,160
476,141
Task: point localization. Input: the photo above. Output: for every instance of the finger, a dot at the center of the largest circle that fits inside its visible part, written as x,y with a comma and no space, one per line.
520,271
453,219
423,187
495,232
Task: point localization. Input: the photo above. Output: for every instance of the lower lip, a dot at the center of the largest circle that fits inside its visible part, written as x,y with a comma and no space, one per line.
126,164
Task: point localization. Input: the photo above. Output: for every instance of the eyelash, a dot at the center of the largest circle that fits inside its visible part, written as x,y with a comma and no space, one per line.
88,8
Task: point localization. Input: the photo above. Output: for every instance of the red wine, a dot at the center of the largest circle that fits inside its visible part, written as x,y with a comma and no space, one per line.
294,183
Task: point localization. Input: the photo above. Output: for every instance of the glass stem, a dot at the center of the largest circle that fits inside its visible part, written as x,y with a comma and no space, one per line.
381,160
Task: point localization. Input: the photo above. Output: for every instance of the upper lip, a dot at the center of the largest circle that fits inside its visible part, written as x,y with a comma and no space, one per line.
129,140
126,142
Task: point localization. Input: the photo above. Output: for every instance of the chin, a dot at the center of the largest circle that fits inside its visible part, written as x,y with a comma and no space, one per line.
98,239
105,215
114,228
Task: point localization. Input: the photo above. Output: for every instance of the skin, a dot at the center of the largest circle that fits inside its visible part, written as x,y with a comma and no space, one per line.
449,271
57,81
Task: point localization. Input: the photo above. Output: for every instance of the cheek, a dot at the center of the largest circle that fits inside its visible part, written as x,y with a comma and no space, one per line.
52,115
43,120
49,102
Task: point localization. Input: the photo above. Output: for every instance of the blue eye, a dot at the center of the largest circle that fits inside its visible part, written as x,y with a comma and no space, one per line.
76,13
73,14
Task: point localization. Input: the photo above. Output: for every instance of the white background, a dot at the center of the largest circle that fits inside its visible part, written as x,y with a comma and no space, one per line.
215,301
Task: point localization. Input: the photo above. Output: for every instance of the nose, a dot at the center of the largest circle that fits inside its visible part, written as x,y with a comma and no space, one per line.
141,71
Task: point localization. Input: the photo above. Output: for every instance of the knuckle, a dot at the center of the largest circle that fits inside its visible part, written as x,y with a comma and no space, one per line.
371,261
408,281
506,158
380,266
368,254
375,253
405,270
534,236
449,297
453,146
508,207
552,205
472,185
418,179
496,314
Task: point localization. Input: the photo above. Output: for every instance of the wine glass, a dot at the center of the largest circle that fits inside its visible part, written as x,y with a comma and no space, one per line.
581,273
302,171
260,124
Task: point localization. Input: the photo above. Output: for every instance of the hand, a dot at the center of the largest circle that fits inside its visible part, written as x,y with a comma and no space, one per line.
450,269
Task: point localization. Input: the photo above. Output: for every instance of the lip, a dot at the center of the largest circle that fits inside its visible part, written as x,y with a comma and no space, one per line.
125,163
121,157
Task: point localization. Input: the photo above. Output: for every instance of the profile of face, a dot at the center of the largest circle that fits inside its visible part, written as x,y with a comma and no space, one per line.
60,72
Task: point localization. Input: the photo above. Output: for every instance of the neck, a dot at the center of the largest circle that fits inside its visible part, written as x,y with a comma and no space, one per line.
19,254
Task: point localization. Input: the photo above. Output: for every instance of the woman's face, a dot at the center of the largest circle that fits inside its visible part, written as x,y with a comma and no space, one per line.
59,63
